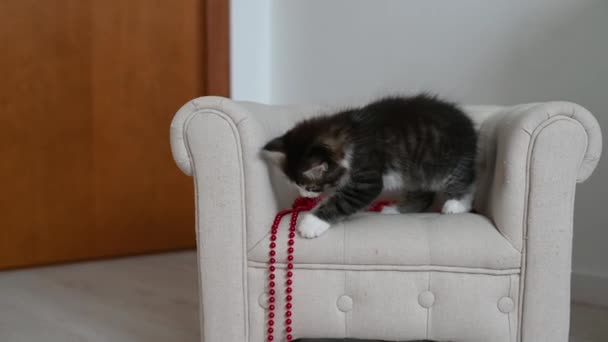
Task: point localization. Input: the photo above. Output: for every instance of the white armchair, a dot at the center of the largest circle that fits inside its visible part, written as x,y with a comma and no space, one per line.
500,275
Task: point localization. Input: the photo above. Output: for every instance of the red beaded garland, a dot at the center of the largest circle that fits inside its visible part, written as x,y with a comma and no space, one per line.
300,204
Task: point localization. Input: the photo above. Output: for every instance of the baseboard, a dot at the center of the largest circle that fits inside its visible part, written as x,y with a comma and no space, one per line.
589,288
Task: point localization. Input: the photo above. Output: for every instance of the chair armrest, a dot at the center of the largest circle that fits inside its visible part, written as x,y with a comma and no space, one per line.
519,142
531,157
218,142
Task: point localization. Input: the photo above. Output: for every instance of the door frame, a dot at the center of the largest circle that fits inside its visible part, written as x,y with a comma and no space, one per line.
216,21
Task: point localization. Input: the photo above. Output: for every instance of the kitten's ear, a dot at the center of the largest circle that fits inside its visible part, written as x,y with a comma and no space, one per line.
274,150
317,171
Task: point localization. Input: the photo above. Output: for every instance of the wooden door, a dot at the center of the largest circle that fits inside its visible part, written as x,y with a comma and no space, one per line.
87,92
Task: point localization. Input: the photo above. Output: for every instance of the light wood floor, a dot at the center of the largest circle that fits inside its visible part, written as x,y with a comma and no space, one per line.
148,298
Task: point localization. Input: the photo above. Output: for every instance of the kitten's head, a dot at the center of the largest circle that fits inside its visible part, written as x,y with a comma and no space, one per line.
312,156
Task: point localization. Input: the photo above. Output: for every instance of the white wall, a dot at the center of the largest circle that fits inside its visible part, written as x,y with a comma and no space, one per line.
250,49
472,51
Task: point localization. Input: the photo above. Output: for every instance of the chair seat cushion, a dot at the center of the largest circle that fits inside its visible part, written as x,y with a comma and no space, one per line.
425,241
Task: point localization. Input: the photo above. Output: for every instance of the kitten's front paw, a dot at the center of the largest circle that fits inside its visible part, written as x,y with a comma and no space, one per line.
310,226
454,206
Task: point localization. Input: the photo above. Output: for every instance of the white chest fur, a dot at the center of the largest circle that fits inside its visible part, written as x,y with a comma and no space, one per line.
392,181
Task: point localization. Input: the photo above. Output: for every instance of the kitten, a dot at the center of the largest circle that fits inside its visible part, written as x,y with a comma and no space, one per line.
420,146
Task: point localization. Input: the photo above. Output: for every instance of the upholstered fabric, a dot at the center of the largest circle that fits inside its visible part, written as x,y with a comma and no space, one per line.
501,275
403,242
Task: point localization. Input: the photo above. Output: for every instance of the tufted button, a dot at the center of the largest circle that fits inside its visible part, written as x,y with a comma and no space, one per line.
263,300
505,304
426,299
345,303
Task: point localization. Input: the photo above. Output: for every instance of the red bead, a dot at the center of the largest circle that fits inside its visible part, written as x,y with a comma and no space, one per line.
274,232
271,315
288,282
270,330
288,313
288,306
288,329
271,284
290,257
272,268
271,299
290,266
273,253
270,322
288,290
270,338
288,321
289,274
292,235
271,276
271,307
289,298
273,245
290,242
289,337
290,250
272,261
273,237
271,292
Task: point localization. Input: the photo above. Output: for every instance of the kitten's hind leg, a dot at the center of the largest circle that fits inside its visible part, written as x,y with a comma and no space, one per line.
415,201
459,199
460,187
458,205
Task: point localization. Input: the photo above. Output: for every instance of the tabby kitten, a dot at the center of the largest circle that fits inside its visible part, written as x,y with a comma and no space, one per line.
420,146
